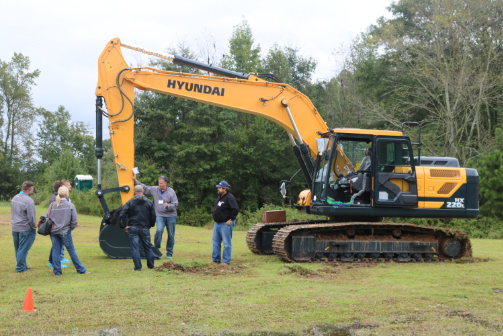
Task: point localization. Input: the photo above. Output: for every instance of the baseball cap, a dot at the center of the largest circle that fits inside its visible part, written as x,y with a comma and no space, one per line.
223,184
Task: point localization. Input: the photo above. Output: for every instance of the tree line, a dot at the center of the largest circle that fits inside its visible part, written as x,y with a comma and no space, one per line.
436,62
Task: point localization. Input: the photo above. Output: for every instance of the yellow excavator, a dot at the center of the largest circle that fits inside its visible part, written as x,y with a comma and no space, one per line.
354,177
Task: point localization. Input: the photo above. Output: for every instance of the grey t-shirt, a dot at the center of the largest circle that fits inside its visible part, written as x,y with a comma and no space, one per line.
168,195
23,213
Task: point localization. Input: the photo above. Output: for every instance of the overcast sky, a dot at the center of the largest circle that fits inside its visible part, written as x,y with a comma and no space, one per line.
64,39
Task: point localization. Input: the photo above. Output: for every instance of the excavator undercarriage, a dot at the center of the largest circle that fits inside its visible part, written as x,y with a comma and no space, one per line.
357,242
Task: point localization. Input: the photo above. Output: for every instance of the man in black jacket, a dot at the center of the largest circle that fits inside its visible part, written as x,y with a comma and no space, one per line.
225,211
141,214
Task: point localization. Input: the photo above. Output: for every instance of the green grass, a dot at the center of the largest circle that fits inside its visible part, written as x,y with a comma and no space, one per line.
258,295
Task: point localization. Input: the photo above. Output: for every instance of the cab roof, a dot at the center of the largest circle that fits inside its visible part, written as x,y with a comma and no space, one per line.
365,131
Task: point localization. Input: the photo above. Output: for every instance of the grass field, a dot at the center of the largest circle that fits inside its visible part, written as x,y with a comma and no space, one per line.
256,295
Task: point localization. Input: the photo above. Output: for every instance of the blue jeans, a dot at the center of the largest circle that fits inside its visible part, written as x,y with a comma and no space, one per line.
222,232
137,235
169,223
64,239
62,253
22,244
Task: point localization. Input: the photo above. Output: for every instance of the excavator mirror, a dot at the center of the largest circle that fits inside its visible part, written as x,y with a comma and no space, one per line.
282,189
322,144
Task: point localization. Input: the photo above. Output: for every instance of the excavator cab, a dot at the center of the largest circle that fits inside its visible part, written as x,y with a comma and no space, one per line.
355,171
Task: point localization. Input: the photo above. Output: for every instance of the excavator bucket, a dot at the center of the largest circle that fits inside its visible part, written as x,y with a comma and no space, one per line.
114,242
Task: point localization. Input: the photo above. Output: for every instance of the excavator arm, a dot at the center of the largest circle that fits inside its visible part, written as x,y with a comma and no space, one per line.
277,102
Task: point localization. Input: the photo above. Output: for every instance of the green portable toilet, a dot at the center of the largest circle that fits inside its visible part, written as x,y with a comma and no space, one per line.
83,182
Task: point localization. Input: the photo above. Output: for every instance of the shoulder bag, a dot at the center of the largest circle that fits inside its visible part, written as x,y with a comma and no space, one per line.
45,225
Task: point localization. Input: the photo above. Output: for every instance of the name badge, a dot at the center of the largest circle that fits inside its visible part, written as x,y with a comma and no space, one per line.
160,202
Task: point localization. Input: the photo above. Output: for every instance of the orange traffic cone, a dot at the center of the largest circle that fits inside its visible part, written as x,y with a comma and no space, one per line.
28,301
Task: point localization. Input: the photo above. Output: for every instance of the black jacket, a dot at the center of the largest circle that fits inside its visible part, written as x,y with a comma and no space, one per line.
140,211
225,208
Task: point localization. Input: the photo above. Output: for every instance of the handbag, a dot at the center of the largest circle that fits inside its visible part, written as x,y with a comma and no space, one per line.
45,225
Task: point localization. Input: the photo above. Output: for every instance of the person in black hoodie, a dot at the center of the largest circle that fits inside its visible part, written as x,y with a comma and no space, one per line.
141,214
225,211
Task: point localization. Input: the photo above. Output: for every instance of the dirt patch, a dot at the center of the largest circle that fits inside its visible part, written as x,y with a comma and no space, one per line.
497,290
474,319
4,221
322,329
299,270
202,269
470,260
306,272
337,267
407,319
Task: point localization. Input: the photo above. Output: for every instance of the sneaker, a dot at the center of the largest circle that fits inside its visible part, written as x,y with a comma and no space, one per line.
62,266
65,261
168,257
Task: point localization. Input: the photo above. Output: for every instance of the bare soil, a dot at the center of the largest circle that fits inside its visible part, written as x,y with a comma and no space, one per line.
209,269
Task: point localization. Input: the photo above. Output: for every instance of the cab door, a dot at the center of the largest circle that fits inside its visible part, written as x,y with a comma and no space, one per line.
395,182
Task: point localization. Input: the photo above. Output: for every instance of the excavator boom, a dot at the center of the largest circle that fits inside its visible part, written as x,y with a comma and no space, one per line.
277,102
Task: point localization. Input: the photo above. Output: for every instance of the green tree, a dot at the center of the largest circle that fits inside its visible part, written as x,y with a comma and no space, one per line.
10,178
57,133
290,67
444,60
66,167
16,103
243,55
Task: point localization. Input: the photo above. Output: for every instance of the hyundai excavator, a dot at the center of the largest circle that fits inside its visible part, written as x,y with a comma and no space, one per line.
354,177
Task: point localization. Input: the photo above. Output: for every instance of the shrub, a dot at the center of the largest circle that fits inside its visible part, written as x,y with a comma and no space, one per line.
87,203
480,227
245,220
194,217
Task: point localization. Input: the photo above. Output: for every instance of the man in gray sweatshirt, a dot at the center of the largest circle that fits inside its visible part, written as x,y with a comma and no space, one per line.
23,225
165,202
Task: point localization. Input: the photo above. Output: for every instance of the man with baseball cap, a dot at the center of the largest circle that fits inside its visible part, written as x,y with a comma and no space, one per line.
225,211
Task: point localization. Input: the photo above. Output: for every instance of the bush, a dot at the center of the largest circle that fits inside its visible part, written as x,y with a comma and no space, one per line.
41,198
195,217
246,220
87,203
481,227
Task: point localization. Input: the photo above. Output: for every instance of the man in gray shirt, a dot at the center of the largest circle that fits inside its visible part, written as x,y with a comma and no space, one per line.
23,225
165,202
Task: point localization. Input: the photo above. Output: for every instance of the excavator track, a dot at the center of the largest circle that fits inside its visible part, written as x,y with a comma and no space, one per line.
362,242
259,237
